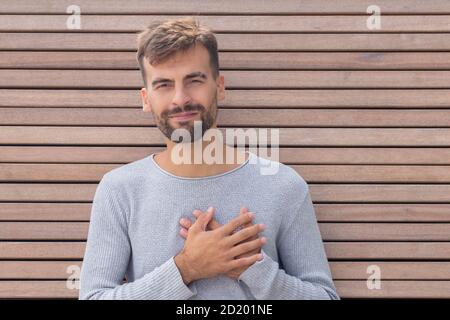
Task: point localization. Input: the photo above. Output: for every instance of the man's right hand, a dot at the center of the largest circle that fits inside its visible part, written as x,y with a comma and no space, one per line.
209,253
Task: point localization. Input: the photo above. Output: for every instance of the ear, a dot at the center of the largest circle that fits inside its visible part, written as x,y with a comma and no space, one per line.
146,107
220,87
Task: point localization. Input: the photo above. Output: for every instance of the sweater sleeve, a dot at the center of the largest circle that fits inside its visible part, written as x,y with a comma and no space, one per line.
108,252
305,274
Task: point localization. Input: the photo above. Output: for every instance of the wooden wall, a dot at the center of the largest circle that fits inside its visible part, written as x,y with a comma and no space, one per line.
363,115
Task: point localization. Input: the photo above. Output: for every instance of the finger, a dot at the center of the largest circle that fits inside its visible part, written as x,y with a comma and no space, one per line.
245,262
247,247
201,223
197,213
240,220
183,233
245,234
243,211
186,222
213,224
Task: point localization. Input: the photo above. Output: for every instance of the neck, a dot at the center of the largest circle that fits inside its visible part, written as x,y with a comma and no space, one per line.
231,158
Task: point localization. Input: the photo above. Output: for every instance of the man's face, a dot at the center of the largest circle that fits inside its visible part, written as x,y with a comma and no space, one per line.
182,90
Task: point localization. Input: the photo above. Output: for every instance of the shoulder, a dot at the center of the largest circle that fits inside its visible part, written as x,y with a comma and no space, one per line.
282,177
125,176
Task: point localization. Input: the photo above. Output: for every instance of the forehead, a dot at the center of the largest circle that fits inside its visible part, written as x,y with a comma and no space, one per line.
181,63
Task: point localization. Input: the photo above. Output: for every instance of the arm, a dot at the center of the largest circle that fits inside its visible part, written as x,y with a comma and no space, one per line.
306,273
108,252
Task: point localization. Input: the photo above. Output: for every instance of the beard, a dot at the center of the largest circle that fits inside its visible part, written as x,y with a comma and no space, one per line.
207,118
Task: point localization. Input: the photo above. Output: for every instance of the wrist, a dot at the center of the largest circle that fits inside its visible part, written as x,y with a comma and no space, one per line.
183,267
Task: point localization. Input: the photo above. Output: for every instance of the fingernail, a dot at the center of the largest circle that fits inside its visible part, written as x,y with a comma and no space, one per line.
181,220
262,226
251,214
210,209
263,239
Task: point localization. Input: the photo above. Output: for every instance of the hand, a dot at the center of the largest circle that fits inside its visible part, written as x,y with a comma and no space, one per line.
212,225
209,253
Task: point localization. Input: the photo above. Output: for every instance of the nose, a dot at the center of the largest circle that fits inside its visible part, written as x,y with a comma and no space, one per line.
180,98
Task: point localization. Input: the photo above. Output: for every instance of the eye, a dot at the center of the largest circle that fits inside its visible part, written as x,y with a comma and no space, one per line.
161,86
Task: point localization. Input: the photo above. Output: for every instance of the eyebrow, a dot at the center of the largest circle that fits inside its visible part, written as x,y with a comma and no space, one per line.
186,77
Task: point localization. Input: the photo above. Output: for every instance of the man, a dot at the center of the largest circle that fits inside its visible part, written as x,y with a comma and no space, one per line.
258,238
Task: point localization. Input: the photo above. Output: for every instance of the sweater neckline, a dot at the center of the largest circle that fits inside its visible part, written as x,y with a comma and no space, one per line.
158,168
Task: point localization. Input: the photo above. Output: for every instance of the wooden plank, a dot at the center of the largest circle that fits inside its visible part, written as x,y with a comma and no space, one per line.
232,117
350,270
42,250
388,250
36,154
229,7
311,173
48,289
324,212
427,251
45,231
227,23
131,79
234,41
376,174
356,270
46,192
45,211
382,212
36,289
28,135
380,193
54,172
305,98
39,269
235,60
298,155
394,289
385,231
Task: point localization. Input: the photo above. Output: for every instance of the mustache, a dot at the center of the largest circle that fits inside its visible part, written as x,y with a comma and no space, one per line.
186,108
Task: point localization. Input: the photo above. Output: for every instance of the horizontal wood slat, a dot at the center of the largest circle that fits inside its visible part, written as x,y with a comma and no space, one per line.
234,42
232,118
335,250
339,270
235,60
228,7
128,79
311,173
346,289
76,192
330,231
394,289
28,135
324,212
275,99
298,155
226,23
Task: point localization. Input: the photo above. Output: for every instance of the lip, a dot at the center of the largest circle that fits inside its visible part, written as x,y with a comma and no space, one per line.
184,116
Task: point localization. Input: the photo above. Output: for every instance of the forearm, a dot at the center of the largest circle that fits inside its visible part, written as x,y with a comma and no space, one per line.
267,281
164,282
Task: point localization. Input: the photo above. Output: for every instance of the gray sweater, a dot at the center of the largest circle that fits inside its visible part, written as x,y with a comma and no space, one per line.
134,233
